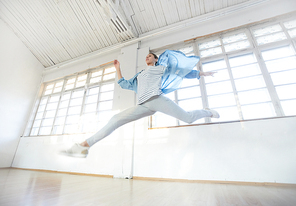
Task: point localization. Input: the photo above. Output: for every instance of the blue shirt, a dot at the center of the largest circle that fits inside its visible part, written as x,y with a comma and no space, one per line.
177,66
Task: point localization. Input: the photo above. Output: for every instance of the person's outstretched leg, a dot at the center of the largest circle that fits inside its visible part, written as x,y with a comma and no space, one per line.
129,115
167,106
118,120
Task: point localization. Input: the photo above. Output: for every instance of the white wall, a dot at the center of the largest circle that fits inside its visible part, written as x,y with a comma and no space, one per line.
256,151
20,78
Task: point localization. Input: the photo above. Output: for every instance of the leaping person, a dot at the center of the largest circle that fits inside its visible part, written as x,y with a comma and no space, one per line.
161,76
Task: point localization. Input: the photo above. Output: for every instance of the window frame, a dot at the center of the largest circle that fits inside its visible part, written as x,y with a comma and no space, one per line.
84,88
253,48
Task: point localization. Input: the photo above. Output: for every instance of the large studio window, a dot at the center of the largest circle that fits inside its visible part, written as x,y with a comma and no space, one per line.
76,104
256,69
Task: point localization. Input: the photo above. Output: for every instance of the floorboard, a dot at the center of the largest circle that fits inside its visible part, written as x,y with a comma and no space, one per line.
25,187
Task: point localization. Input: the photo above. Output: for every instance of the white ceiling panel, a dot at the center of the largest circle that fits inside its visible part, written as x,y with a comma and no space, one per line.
57,31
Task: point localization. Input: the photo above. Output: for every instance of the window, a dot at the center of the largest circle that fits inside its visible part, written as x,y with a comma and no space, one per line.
235,42
219,90
251,89
291,27
210,48
269,34
76,104
281,65
256,69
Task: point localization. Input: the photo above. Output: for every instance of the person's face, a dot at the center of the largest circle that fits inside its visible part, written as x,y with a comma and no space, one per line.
150,59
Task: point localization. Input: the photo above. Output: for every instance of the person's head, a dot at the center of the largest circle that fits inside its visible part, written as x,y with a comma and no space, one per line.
151,59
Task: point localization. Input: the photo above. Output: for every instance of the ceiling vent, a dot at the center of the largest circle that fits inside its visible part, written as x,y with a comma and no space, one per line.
115,19
120,27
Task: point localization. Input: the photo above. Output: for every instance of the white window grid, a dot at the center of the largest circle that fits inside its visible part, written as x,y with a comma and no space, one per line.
248,81
75,104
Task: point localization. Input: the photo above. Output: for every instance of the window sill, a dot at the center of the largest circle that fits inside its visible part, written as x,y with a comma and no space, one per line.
226,122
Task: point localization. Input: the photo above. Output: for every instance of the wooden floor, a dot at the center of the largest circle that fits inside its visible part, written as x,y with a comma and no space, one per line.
24,187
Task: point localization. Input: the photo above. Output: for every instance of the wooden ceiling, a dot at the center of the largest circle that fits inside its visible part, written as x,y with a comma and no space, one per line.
56,31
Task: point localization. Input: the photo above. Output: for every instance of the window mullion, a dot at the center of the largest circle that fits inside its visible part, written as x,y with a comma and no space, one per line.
150,122
84,95
288,35
28,122
177,102
71,93
294,44
100,88
57,109
83,100
236,52
234,90
269,84
43,116
202,84
238,104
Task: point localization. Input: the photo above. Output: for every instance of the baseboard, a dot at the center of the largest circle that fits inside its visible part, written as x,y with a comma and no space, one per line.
215,181
63,172
166,179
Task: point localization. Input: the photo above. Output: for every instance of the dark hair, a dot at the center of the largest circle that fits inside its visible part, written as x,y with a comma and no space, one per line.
155,56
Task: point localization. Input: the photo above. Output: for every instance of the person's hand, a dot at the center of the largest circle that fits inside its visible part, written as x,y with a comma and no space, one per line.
116,64
207,73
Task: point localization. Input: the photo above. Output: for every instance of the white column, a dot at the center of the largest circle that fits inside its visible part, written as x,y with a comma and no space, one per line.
125,99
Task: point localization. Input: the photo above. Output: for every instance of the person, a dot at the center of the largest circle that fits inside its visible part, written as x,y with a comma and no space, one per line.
161,76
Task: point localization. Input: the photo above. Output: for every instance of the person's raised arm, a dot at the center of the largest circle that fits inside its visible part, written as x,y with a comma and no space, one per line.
197,74
130,84
207,73
117,67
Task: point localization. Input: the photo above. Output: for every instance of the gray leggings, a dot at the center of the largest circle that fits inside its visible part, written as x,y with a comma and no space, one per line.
148,108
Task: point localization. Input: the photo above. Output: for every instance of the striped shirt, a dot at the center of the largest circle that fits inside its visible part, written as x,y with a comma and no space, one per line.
149,82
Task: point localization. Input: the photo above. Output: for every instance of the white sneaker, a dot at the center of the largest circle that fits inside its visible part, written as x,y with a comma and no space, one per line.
215,114
76,151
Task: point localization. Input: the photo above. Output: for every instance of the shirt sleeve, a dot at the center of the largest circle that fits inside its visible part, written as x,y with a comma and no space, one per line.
193,74
130,84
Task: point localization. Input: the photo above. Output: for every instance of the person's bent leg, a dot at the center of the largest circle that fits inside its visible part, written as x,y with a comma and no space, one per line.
118,120
167,106
129,115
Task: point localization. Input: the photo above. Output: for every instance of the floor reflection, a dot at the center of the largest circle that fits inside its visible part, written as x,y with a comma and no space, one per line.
42,189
